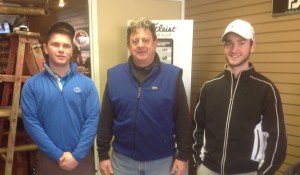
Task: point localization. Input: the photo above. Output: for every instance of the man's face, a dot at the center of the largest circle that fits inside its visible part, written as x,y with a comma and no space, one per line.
142,47
237,51
59,49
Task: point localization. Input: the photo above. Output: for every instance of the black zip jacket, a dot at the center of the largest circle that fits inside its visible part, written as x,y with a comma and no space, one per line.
239,124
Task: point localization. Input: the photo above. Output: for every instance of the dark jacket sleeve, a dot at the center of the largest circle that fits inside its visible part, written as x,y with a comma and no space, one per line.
182,121
198,127
105,133
273,124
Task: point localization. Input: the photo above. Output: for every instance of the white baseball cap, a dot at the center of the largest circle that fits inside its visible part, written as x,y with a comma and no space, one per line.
240,27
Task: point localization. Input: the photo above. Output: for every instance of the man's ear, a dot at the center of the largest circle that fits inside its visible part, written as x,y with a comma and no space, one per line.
155,43
253,46
45,48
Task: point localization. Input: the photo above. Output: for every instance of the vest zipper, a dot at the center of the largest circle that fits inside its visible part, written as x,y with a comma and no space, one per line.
136,115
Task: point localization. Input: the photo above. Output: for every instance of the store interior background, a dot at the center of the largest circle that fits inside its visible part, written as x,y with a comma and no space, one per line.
277,55
111,18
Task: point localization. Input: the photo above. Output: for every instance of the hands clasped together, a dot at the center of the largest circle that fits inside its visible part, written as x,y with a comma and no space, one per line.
67,162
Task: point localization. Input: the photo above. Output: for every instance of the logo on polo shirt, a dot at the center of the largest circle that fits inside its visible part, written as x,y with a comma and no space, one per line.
77,90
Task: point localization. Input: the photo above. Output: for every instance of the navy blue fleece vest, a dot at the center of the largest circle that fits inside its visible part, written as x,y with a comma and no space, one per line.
143,124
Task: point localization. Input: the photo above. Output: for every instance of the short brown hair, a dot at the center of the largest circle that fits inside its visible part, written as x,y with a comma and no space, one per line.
60,27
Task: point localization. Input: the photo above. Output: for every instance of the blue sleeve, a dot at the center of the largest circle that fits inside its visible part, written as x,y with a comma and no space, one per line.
90,125
33,126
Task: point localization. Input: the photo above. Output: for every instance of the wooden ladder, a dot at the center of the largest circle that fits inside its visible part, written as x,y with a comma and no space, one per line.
24,47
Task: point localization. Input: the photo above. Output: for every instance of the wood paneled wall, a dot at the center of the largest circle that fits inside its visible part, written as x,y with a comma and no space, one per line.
277,54
77,17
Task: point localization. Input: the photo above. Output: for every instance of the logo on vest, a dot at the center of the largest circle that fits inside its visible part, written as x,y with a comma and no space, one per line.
154,88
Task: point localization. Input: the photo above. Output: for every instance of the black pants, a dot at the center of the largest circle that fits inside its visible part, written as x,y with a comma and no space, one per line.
47,166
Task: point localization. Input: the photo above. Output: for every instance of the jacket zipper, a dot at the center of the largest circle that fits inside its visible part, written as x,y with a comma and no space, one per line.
232,94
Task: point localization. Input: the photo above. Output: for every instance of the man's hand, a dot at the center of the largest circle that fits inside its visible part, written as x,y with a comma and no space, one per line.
67,162
179,167
105,167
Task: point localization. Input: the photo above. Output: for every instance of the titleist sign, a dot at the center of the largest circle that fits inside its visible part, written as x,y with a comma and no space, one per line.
285,7
162,28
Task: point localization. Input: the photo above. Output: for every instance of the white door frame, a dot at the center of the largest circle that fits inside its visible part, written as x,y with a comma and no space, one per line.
94,58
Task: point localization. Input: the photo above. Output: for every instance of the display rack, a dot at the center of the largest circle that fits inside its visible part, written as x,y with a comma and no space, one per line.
24,48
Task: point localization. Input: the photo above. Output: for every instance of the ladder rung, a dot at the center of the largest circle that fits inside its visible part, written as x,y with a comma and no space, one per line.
21,148
5,111
11,78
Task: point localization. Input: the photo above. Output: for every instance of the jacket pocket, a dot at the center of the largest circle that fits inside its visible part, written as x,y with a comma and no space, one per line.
260,144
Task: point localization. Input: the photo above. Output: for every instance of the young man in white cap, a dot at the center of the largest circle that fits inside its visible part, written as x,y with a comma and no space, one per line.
238,120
